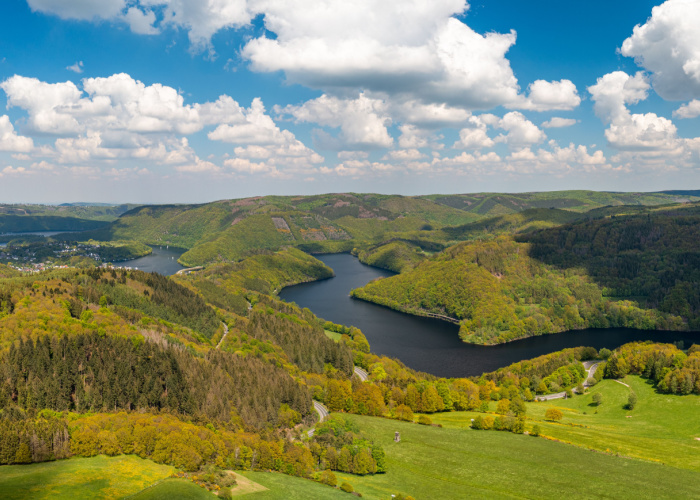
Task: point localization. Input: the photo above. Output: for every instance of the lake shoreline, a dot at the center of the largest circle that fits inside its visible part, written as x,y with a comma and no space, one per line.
433,345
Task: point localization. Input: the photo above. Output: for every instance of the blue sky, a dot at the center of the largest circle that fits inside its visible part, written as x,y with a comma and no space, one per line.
192,101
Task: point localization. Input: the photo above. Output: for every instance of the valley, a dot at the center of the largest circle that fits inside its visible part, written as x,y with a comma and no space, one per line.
206,381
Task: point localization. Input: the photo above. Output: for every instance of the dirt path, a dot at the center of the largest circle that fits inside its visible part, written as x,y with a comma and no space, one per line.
224,336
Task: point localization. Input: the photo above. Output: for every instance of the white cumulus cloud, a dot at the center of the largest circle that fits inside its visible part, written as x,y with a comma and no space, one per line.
689,110
10,141
668,45
626,131
558,122
362,121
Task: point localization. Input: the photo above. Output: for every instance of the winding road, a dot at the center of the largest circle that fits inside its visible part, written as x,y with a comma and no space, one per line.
363,375
590,367
322,413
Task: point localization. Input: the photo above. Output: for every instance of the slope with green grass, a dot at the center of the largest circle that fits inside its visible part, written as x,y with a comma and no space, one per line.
96,477
437,463
662,428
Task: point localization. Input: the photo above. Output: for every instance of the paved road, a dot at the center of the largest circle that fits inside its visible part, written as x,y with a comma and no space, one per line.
361,373
224,336
590,367
322,413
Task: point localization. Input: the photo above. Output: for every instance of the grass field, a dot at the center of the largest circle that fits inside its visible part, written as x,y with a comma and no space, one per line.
332,335
137,479
435,463
182,489
97,477
662,427
281,487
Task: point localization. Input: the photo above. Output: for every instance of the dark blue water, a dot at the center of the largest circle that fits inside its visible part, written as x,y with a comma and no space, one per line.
434,346
163,260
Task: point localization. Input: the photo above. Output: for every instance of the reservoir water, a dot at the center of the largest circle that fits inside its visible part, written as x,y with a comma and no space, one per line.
433,346
163,260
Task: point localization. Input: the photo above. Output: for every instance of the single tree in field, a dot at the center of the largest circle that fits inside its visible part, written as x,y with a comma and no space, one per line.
632,401
553,414
598,398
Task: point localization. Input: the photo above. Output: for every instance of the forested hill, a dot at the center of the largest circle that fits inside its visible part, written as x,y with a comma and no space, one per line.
495,204
131,340
638,271
227,231
200,370
25,223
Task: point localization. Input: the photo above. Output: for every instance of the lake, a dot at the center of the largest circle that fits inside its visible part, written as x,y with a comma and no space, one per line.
163,260
433,346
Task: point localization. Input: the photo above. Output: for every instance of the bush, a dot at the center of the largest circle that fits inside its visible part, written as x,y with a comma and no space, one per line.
632,401
553,414
535,430
347,488
597,399
225,494
424,420
327,477
604,353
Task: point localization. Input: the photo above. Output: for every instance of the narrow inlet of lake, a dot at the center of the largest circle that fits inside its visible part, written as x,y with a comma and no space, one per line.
433,346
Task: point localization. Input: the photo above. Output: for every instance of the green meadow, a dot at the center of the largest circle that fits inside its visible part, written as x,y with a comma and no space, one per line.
96,477
662,428
435,463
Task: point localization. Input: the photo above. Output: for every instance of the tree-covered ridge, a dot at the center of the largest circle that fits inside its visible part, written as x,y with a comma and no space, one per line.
264,272
397,255
497,204
23,223
653,258
89,211
228,230
638,271
499,293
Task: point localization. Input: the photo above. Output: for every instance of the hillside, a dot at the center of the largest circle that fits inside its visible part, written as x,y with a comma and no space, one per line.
432,462
229,230
495,204
637,271
86,211
25,223
226,231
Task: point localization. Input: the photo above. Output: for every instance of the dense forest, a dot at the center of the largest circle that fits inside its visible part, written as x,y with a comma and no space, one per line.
638,271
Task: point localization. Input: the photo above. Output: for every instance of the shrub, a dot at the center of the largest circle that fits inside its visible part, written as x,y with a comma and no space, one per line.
604,353
424,420
632,401
597,399
553,414
404,412
327,477
347,488
225,494
535,430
